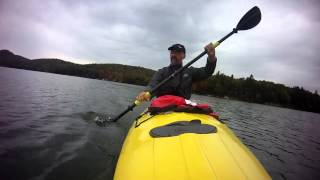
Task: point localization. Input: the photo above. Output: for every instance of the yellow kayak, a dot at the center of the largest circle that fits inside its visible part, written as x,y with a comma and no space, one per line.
185,146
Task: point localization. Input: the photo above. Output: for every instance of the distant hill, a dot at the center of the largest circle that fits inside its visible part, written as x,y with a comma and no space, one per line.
112,72
219,85
122,73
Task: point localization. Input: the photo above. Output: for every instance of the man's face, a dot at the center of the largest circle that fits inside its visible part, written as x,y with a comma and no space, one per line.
176,57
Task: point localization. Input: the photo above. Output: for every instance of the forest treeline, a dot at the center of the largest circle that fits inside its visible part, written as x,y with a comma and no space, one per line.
263,92
219,85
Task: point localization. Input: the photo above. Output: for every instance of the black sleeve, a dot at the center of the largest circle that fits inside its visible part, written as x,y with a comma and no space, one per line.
203,73
156,79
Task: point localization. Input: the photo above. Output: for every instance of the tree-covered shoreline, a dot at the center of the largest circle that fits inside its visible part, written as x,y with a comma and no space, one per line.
262,92
219,85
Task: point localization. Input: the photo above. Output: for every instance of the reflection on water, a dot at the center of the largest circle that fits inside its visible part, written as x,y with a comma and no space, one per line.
47,129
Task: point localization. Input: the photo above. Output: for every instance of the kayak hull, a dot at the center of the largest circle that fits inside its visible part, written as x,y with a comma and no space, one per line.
219,155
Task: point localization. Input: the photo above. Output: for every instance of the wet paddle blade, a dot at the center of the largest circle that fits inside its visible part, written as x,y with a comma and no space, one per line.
250,19
102,120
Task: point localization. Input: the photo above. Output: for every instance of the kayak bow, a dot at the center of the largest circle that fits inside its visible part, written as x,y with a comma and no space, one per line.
182,145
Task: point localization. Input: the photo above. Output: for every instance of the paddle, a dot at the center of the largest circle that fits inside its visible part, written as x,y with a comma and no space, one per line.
248,21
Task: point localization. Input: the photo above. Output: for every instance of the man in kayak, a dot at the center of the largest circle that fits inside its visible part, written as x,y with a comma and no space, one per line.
181,85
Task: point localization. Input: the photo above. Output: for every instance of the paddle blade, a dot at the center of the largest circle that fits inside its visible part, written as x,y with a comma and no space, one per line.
250,19
102,120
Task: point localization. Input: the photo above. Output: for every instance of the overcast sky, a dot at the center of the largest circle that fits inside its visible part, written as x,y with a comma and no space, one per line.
284,47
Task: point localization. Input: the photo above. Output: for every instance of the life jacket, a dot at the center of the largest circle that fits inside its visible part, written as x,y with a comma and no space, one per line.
179,104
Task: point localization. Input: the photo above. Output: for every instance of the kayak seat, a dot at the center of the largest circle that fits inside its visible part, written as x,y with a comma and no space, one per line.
180,127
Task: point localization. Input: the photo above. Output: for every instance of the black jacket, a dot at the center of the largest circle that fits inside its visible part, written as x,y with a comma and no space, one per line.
181,85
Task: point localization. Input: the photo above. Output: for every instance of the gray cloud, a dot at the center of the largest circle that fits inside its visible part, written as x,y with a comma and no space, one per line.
283,48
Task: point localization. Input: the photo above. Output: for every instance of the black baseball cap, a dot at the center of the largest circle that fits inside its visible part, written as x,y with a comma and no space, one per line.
177,48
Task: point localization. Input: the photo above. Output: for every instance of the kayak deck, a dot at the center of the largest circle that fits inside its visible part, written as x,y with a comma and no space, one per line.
219,155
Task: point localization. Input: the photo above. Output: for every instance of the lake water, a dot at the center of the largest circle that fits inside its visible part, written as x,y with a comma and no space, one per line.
47,129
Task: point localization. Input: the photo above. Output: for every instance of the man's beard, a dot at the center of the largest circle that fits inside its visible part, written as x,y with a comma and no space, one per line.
175,61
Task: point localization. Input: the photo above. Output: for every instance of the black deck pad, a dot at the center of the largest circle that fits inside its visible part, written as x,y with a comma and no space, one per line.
181,127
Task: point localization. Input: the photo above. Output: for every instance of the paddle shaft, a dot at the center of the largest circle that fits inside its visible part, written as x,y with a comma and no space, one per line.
153,90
